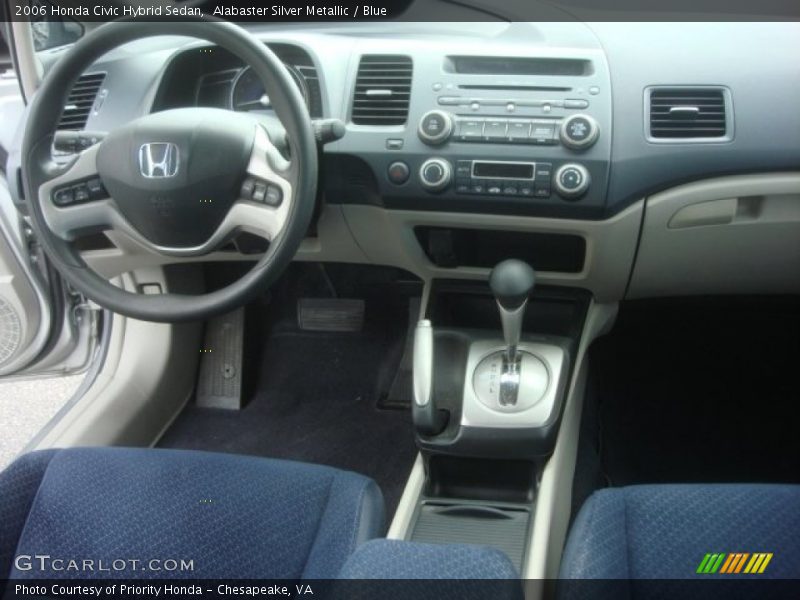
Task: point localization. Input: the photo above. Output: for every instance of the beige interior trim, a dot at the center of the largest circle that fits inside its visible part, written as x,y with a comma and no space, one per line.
401,522
146,379
29,68
333,243
729,235
554,497
387,238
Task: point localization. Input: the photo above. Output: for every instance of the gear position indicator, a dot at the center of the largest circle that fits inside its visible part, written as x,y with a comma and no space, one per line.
533,381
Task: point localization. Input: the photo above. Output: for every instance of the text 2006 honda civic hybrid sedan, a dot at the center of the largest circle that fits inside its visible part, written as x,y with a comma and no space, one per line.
447,302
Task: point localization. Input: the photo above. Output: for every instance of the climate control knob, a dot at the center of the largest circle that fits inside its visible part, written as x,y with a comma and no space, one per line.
579,132
435,127
571,181
435,174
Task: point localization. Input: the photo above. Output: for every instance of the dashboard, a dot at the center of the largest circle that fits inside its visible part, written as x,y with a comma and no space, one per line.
466,141
548,119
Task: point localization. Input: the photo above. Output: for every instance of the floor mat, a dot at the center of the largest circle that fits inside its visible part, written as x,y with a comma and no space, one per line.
700,391
315,400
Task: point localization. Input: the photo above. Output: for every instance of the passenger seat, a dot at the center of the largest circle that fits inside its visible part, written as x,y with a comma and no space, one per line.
683,531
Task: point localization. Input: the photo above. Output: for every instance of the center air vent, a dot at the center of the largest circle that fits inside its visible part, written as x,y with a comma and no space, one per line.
689,113
383,89
80,101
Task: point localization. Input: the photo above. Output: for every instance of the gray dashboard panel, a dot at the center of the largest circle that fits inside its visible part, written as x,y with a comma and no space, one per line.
752,59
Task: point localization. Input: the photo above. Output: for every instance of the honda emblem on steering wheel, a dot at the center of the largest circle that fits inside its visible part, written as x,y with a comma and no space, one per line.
158,160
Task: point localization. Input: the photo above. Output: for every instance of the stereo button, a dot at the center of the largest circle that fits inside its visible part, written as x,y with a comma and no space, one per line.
576,103
519,130
435,127
495,130
579,132
470,130
543,133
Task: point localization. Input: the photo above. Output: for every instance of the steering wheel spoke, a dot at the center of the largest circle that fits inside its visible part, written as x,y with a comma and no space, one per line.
75,201
266,194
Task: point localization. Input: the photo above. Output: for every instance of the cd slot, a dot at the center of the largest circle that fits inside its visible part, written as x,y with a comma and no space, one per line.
499,66
522,88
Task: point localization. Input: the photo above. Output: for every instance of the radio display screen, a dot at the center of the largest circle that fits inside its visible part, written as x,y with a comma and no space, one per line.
502,170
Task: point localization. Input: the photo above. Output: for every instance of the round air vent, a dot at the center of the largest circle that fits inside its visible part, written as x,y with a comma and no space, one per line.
10,331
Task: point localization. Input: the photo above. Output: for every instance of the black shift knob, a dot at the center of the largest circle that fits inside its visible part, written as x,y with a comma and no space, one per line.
512,281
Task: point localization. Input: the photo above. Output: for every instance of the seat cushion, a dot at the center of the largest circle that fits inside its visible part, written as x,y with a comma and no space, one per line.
393,559
428,572
665,531
232,516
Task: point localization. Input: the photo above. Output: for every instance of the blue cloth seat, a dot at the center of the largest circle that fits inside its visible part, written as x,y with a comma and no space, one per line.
231,516
397,570
664,532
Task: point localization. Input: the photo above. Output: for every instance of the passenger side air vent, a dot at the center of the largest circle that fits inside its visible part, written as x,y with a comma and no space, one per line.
683,113
80,101
383,90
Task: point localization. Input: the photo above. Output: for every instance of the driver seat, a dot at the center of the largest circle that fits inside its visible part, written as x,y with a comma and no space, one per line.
234,517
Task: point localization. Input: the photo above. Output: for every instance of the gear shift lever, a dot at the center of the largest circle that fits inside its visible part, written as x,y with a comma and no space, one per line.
512,282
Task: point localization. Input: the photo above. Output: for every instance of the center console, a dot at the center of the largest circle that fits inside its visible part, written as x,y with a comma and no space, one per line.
485,132
491,369
492,386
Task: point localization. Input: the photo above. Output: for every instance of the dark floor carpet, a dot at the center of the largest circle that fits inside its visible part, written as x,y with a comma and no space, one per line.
315,400
700,391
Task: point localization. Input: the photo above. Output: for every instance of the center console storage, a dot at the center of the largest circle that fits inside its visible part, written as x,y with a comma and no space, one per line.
451,247
477,501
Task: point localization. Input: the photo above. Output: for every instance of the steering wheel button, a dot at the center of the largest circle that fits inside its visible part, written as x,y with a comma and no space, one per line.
81,193
63,197
274,195
96,189
247,188
260,192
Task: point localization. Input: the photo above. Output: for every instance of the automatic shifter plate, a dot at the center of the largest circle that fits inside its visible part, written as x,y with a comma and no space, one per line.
534,379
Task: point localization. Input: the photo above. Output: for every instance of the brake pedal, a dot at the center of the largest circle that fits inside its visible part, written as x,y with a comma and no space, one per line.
330,314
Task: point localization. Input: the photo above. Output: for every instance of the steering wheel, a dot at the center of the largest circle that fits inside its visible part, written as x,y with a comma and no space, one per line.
180,182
